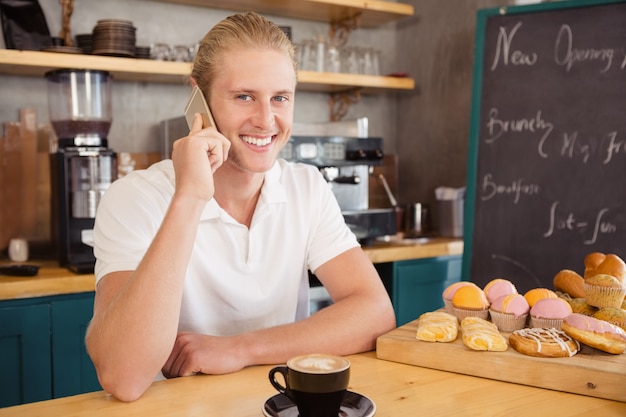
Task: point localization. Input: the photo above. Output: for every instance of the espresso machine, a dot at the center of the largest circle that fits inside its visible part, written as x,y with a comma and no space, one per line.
83,167
346,163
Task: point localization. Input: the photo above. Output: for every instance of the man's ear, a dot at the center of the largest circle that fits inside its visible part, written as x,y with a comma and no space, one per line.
193,82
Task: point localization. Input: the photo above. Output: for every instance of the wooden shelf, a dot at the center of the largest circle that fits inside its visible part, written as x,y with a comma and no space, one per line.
370,13
34,63
334,82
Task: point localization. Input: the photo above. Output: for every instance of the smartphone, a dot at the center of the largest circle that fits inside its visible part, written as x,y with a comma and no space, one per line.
198,104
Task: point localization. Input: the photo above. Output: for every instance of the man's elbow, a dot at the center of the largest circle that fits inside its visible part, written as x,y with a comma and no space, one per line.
118,379
125,389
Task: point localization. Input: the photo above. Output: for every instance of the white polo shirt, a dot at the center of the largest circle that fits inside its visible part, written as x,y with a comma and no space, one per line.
238,279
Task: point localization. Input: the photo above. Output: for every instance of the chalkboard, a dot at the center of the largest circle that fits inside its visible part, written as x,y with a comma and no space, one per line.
546,181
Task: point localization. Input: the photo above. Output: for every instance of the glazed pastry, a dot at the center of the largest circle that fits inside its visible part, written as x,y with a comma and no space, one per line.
604,290
570,283
596,333
437,326
480,334
546,343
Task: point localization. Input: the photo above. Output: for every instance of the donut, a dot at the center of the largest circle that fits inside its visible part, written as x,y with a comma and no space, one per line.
544,343
596,333
569,282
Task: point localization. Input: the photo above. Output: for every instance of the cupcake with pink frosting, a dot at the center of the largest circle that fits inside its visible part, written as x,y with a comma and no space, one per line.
509,312
498,287
549,313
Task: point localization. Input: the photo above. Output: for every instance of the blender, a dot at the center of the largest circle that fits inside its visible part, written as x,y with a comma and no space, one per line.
83,167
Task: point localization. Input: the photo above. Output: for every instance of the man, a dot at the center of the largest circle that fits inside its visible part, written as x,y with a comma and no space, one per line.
202,260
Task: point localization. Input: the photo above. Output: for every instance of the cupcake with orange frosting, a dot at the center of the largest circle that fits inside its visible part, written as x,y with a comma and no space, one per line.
509,312
470,301
549,313
449,292
498,287
536,294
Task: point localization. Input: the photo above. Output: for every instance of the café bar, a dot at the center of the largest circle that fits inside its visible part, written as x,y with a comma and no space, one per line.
522,211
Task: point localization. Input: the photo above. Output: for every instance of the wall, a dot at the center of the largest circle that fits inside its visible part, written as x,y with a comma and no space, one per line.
138,107
436,46
428,127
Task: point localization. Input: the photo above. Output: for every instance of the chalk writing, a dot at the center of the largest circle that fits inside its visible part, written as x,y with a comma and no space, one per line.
517,188
567,55
507,56
569,145
607,147
498,127
569,222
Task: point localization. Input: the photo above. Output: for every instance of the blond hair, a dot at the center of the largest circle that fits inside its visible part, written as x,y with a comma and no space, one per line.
246,30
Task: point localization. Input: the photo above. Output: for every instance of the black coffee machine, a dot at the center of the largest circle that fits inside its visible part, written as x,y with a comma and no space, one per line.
83,167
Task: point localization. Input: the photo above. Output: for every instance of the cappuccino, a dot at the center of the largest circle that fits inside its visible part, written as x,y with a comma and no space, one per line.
316,383
318,364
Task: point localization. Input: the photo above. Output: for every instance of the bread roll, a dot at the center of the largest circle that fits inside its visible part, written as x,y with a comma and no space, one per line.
569,282
592,261
437,326
612,265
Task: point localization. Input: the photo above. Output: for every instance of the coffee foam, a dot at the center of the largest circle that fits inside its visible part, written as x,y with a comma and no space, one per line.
318,364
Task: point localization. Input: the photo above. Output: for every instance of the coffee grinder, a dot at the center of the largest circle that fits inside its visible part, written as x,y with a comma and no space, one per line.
83,167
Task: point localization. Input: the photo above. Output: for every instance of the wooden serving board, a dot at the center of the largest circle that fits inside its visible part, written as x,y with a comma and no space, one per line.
590,372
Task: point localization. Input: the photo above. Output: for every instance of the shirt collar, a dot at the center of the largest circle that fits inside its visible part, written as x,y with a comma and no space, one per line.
272,192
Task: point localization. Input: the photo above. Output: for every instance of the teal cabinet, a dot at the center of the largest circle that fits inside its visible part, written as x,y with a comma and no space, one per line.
43,349
25,366
73,372
415,286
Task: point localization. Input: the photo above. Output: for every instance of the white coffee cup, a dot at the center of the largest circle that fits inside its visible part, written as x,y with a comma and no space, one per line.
18,250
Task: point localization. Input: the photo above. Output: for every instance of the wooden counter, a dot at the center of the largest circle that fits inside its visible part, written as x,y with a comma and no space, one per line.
397,390
387,252
53,280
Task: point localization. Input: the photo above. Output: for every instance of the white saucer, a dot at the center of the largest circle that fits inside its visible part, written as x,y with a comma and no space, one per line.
353,405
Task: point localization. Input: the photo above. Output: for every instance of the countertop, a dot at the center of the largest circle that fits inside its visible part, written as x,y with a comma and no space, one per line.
54,280
397,390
